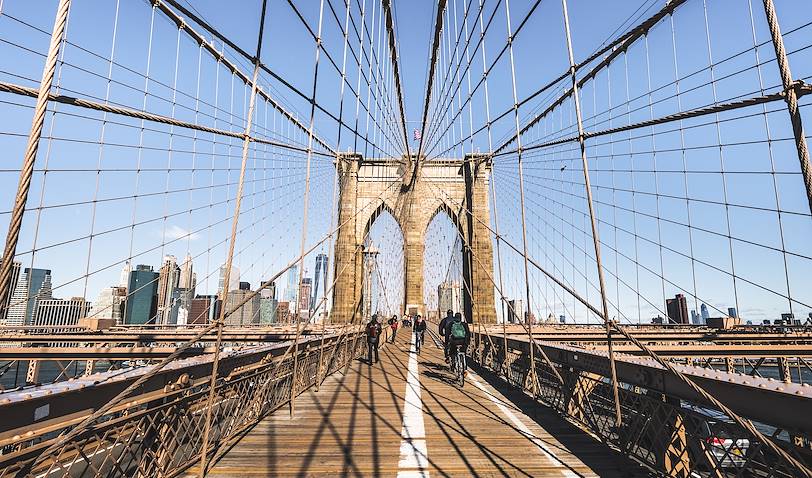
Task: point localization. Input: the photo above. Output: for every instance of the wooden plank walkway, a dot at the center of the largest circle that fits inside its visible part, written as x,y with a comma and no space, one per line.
382,420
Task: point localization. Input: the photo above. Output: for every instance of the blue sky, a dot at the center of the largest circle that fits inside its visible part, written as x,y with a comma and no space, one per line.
692,212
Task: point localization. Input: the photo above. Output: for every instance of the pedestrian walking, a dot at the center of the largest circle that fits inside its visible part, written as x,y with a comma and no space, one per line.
393,323
374,331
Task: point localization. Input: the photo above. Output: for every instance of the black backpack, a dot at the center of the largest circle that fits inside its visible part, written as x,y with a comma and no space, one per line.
372,330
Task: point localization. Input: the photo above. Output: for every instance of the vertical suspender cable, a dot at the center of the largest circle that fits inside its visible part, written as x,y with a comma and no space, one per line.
588,187
304,212
526,318
491,180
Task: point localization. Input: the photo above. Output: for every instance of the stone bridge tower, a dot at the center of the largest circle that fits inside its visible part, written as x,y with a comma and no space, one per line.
457,187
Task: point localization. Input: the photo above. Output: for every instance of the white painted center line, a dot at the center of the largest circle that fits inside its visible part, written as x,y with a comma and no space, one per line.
545,451
414,460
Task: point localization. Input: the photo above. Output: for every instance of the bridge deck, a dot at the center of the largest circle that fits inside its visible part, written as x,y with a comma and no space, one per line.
356,423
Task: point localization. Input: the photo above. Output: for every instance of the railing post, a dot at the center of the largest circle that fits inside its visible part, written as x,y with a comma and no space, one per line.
30,156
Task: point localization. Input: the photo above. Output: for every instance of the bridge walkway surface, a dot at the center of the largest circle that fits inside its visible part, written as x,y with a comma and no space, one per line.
404,417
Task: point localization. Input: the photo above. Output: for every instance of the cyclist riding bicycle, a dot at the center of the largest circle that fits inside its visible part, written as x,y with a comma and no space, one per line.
457,334
419,332
444,324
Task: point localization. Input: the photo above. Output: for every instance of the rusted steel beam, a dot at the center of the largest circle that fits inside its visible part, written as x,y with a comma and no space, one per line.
720,351
95,353
147,337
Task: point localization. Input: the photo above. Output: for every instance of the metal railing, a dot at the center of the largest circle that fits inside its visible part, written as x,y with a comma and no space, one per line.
664,426
158,430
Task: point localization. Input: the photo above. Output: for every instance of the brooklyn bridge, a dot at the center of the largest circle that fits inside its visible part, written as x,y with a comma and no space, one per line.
210,207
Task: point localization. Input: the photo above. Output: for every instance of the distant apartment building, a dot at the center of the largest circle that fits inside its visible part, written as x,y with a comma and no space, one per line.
60,312
516,311
203,309
304,294
449,296
245,314
283,312
233,279
677,309
267,310
110,304
268,292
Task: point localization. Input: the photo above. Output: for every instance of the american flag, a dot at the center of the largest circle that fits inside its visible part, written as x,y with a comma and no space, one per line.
417,135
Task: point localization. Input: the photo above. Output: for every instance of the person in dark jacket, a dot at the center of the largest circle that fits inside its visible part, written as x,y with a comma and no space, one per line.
454,338
374,331
419,332
449,317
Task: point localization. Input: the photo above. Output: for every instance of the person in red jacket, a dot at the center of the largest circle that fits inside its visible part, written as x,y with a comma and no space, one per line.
393,323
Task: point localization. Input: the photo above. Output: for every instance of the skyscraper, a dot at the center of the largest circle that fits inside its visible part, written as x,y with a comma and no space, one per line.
142,300
677,309
290,288
233,279
731,312
168,280
187,276
110,304
32,286
703,310
319,277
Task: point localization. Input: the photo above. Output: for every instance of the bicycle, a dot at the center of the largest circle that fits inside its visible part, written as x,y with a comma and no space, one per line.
418,342
459,365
